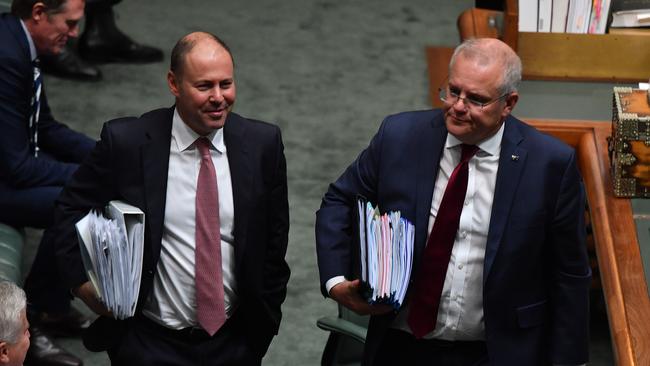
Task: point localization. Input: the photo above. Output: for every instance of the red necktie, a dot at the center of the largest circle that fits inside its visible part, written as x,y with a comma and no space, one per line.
433,266
210,309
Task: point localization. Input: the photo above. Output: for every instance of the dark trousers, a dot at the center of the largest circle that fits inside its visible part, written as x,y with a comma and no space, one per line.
34,207
146,343
401,348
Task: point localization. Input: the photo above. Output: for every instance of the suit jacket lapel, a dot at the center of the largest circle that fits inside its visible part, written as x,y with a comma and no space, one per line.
431,143
155,163
512,160
241,175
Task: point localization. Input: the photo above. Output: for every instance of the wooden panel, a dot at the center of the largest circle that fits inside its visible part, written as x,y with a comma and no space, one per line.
438,65
478,23
619,259
609,57
511,24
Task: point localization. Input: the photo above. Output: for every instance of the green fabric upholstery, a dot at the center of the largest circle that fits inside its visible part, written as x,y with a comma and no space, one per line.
11,253
347,337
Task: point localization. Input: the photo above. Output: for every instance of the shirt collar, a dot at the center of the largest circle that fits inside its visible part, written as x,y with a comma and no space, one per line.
32,47
184,136
491,145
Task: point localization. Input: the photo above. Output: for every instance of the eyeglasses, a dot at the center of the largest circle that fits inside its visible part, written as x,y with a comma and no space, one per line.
451,96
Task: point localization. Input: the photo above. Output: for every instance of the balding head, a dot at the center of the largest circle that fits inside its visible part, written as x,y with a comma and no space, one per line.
187,44
486,52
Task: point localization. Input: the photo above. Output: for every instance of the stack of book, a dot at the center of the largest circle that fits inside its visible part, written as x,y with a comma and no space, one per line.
630,16
564,16
386,254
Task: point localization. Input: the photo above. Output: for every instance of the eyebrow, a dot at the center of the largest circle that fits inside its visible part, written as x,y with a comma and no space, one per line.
470,94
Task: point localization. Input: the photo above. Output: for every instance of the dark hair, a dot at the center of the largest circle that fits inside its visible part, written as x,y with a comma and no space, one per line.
23,8
185,45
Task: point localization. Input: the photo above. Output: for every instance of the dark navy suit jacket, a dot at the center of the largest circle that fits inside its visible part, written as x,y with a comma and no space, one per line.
130,163
61,147
536,274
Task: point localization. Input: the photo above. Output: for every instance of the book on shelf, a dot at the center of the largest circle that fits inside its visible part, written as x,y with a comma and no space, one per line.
630,31
559,16
630,13
599,16
527,16
544,15
578,16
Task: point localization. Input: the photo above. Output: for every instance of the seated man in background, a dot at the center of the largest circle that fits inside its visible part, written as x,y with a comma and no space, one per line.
37,156
14,328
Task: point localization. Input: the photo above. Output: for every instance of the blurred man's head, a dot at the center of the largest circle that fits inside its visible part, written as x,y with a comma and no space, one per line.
14,328
481,90
201,77
50,22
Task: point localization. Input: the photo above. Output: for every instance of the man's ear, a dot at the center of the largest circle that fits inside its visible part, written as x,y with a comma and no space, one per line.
511,101
4,353
39,12
172,82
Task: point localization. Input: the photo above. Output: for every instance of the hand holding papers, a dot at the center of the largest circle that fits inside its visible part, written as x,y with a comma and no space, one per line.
386,254
111,249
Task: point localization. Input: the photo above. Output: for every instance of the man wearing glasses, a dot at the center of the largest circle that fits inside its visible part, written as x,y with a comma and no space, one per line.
500,275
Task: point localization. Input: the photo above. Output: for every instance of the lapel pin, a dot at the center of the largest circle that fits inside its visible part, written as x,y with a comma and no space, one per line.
514,157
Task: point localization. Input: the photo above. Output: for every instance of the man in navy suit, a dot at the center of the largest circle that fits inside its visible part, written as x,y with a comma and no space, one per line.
37,153
153,162
515,288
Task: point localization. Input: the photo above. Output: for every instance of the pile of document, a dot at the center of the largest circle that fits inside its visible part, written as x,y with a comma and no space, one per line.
112,249
386,254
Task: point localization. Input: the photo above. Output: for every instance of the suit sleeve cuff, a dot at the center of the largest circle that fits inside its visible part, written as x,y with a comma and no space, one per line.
333,282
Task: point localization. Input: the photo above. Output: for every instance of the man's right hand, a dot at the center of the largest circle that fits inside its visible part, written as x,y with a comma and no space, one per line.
86,292
346,293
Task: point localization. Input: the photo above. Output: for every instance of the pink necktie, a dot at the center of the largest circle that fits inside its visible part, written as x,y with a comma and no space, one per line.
433,266
210,309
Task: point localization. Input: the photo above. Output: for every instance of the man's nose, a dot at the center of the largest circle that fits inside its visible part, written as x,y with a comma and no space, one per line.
460,104
216,96
74,31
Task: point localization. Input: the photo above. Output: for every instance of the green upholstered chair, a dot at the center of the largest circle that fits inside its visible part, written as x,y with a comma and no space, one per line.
347,337
11,254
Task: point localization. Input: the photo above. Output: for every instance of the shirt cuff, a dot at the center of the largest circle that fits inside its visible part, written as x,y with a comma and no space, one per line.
333,282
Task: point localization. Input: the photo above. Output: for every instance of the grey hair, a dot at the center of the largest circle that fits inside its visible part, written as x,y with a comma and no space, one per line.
477,49
12,303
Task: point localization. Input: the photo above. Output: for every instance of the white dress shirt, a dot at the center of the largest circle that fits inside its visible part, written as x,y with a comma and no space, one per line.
30,41
460,314
172,301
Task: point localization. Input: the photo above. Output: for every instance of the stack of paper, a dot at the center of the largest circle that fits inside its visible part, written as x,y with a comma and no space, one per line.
386,254
111,249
